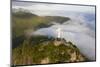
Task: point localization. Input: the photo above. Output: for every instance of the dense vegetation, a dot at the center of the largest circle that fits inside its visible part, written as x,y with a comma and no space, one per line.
41,50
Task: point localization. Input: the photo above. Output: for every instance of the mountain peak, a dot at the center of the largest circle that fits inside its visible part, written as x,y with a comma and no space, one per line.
46,50
59,41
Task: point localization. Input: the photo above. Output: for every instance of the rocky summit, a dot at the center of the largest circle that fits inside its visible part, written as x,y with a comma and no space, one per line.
44,50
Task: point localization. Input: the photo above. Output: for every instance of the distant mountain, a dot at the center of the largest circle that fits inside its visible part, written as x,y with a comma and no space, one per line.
23,14
14,10
44,50
23,19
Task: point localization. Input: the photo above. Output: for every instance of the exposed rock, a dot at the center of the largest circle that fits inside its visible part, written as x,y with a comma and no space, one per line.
73,57
45,61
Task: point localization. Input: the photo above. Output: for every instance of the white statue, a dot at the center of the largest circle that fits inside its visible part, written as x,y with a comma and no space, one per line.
58,32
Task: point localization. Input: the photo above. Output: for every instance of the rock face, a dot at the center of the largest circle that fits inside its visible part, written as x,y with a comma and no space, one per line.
47,51
74,57
45,61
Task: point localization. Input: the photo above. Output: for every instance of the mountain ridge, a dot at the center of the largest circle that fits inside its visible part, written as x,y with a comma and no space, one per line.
46,51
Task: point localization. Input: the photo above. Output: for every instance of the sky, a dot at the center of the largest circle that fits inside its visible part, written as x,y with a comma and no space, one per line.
53,7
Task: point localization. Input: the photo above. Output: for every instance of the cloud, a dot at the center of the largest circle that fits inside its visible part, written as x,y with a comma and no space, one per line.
77,31
53,7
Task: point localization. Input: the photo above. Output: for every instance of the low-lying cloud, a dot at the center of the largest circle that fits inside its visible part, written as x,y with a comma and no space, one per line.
76,31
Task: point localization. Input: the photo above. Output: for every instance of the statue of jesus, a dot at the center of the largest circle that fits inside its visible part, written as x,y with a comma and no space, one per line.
58,32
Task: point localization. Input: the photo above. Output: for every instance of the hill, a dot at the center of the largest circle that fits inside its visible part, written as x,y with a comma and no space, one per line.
23,20
44,50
